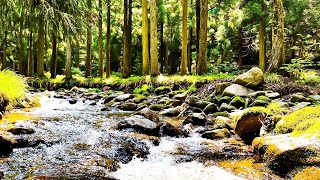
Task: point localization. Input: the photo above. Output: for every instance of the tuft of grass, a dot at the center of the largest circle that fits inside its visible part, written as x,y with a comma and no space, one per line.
12,86
273,78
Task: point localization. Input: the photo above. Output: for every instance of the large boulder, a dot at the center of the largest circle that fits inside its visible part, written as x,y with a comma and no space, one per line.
282,153
6,146
171,112
196,119
139,124
217,134
252,78
148,113
220,87
237,90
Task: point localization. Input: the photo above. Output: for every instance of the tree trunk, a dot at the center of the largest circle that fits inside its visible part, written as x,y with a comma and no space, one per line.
40,59
126,66
162,50
197,29
262,40
145,38
154,38
277,51
30,56
53,63
240,36
89,46
100,56
184,53
69,59
77,55
190,50
166,59
202,61
108,69
21,70
4,54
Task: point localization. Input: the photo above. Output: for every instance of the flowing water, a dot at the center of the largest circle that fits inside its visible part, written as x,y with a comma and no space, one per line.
78,142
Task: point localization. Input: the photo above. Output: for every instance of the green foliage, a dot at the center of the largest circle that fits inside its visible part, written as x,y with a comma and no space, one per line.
12,86
145,89
192,89
77,72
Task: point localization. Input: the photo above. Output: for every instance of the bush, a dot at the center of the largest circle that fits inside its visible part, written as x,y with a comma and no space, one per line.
12,86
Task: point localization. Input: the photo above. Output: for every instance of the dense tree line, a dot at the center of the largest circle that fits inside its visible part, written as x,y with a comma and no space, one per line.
153,37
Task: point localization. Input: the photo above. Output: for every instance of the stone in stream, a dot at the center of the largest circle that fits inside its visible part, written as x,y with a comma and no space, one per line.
171,112
171,130
299,98
226,107
110,98
196,119
124,97
6,146
162,90
238,102
237,90
253,78
249,125
148,113
140,124
128,106
194,101
217,134
221,87
210,108
283,153
182,96
73,101
21,130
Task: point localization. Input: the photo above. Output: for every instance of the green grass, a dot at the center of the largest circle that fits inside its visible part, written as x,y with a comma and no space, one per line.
12,86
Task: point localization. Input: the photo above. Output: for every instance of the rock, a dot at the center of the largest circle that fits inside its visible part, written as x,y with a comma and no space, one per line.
221,87
106,108
224,99
6,146
253,78
258,93
139,99
93,103
273,95
73,101
217,134
140,124
21,130
182,96
128,106
148,113
299,98
238,102
110,98
196,119
4,102
194,101
237,90
171,112
224,122
176,103
227,107
249,125
124,97
165,101
74,89
171,130
162,90
282,153
261,101
305,172
301,105
210,108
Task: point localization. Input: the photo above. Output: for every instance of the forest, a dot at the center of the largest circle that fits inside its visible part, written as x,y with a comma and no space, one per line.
159,90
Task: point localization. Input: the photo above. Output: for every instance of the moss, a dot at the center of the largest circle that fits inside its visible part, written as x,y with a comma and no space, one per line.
263,98
238,102
144,89
192,89
291,121
163,90
224,114
308,173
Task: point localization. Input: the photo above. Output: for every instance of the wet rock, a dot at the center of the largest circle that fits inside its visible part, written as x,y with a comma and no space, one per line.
110,98
261,101
4,102
210,108
165,101
74,89
301,105
124,97
196,119
73,101
253,78
282,153
106,108
162,90
140,124
258,93
148,113
221,87
182,96
249,125
171,130
224,122
139,99
237,90
6,146
175,103
273,95
224,99
299,98
170,112
217,134
93,103
128,106
21,130
226,107
194,101
238,102
157,107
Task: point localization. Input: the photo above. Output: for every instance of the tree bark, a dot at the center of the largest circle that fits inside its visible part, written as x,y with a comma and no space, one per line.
190,49
53,63
262,40
126,45
277,51
30,56
184,53
108,69
4,54
154,38
145,38
240,41
89,45
100,55
40,59
162,50
69,59
21,70
202,61
197,30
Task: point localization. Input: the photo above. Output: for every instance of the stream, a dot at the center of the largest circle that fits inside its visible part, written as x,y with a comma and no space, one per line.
78,142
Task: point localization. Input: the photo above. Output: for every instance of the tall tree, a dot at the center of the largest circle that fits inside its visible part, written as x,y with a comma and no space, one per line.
126,63
184,59
277,50
100,55
69,58
145,38
108,69
89,42
262,40
154,38
53,62
41,41
202,61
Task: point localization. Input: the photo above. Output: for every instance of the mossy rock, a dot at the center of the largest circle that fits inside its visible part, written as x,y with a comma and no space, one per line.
223,114
224,99
238,102
145,89
305,173
306,116
162,90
